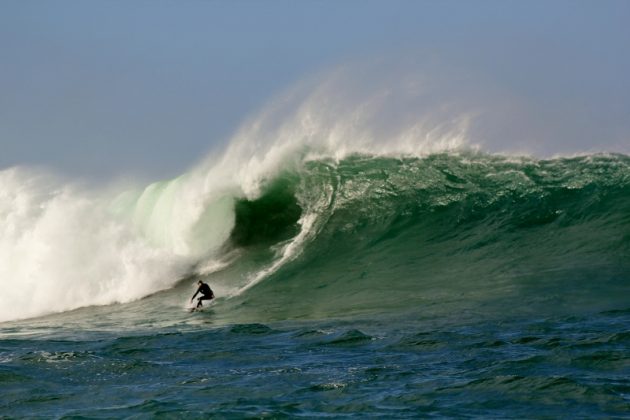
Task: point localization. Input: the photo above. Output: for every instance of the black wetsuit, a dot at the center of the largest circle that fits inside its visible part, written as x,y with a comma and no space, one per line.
206,294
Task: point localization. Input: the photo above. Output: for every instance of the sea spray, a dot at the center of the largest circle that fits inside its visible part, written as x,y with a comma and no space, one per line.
64,247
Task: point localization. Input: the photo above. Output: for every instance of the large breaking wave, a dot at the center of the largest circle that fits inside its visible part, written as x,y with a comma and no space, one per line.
313,209
64,246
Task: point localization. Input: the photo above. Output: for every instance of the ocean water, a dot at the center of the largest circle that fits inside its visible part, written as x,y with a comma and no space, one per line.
452,284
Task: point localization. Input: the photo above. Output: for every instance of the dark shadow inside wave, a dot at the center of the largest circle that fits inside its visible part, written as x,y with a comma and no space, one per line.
269,219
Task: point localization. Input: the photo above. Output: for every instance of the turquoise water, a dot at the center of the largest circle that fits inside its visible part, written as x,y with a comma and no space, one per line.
455,285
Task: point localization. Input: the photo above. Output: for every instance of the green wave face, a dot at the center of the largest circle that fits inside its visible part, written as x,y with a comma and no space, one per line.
461,234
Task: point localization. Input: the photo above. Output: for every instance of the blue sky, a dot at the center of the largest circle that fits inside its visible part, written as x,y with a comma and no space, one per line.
103,88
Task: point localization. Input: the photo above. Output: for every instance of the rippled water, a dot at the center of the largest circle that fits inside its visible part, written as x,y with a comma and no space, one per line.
389,366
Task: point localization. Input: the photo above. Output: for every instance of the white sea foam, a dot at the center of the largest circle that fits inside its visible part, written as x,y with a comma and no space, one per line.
60,250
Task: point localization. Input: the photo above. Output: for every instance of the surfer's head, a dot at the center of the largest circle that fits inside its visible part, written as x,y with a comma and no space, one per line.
199,282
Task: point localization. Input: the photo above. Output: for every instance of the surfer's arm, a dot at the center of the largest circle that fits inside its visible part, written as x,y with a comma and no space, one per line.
195,294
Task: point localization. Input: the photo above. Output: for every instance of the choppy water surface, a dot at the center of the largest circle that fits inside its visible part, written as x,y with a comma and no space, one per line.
395,367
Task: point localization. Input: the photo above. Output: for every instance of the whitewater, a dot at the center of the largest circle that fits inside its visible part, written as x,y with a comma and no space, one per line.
362,269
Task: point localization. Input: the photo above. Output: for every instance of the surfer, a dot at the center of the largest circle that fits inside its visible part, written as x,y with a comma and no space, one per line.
206,293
